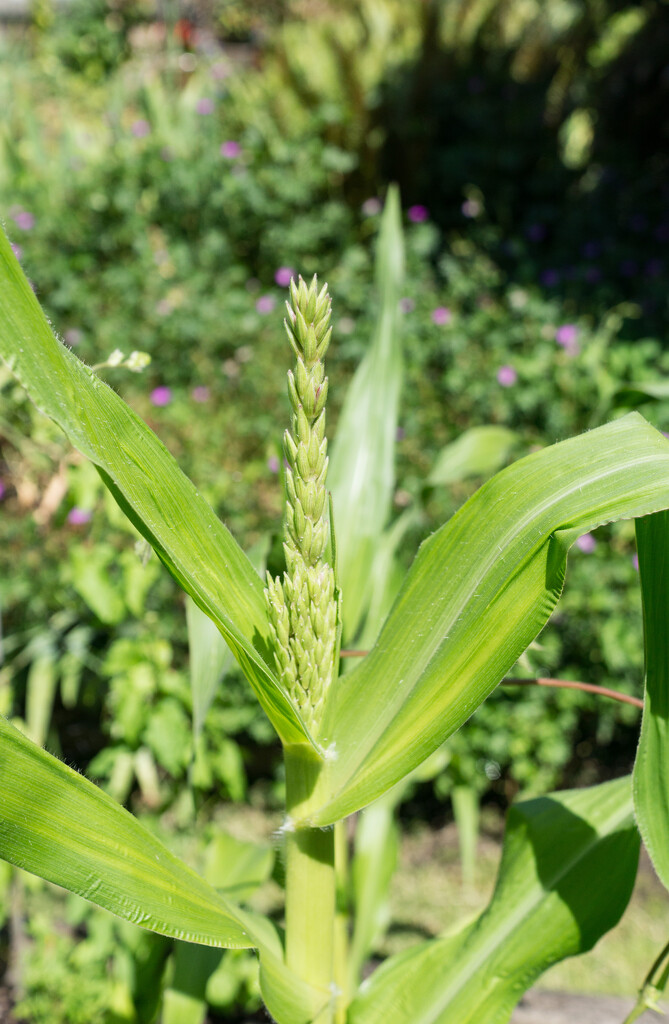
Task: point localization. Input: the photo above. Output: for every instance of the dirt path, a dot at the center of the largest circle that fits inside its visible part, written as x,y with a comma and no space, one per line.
563,1008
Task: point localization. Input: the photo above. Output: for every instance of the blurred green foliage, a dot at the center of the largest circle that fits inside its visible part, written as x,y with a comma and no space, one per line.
159,191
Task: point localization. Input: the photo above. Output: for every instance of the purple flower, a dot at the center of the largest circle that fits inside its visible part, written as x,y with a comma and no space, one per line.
2,490
205,106
78,516
24,220
550,278
591,250
506,376
17,250
200,393
372,206
441,315
220,71
161,395
265,304
72,336
273,464
417,214
407,305
567,336
140,128
635,561
471,208
231,150
586,543
283,275
536,232
654,268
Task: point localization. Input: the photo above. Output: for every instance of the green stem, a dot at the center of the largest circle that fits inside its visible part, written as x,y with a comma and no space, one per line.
340,971
310,880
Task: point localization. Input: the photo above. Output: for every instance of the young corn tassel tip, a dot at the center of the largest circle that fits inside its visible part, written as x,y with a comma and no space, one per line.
302,607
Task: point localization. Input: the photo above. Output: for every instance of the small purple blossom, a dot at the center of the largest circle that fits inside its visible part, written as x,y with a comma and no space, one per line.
220,71
635,561
24,220
417,214
536,232
407,305
283,276
78,516
161,395
654,268
591,250
2,490
441,315
550,278
72,336
200,393
231,150
204,106
140,128
506,376
17,250
265,304
586,543
567,337
273,464
372,206
471,208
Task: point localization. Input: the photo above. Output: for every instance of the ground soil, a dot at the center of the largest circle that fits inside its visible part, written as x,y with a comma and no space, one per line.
565,1008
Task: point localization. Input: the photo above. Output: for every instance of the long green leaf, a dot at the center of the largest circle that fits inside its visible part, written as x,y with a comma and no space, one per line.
651,779
58,825
479,451
147,483
361,476
567,872
479,591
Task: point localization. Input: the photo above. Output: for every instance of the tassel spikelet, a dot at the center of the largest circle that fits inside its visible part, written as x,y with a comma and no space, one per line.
302,607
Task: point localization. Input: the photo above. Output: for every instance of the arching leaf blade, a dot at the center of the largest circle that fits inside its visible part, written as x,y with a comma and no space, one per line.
147,483
567,872
361,474
479,591
651,789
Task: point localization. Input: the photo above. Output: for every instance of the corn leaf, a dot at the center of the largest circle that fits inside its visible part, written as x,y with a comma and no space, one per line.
567,872
651,783
58,825
477,452
145,480
361,475
480,589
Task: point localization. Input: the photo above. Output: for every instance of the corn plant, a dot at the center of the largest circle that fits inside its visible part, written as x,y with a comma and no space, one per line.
479,591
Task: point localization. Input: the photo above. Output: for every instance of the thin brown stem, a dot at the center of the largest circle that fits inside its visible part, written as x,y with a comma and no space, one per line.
569,684
565,684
